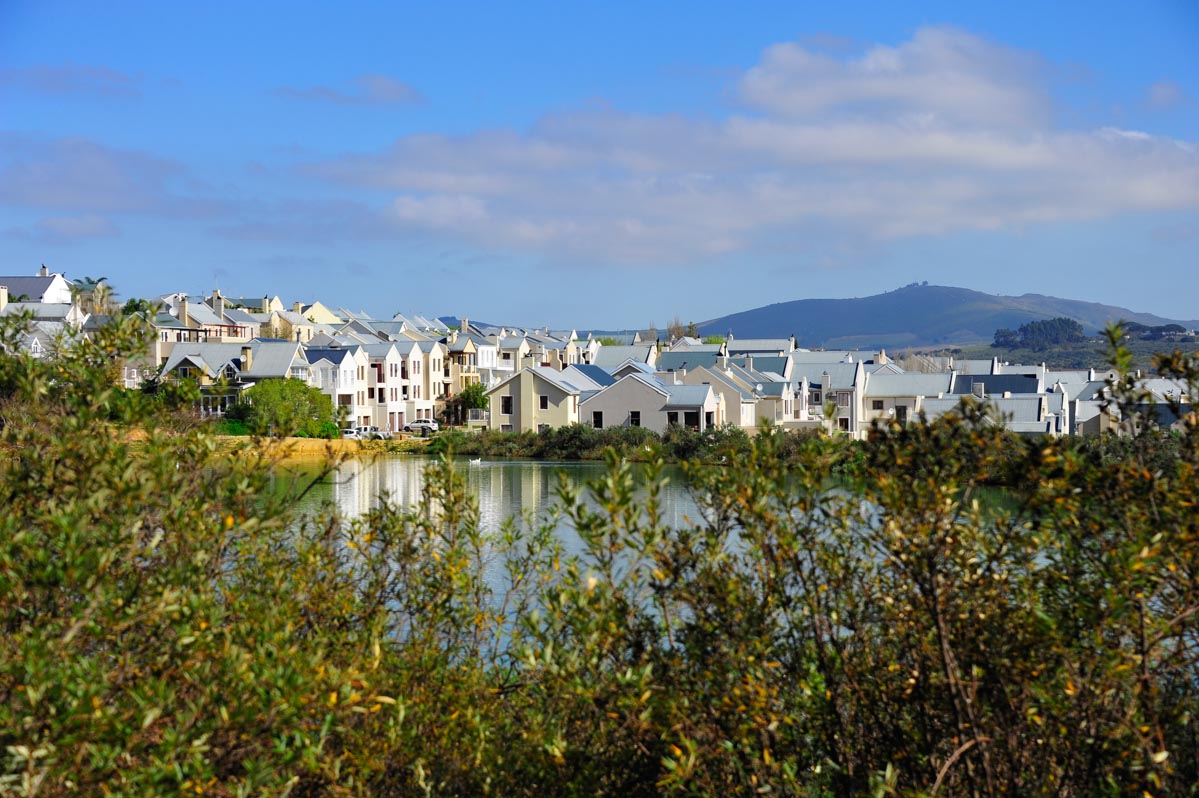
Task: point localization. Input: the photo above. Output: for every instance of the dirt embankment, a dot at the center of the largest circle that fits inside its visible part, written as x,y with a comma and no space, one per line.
316,449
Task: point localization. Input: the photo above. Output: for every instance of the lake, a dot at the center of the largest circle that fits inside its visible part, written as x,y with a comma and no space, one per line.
504,488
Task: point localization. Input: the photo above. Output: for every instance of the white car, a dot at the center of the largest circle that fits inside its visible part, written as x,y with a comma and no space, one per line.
350,434
421,424
372,433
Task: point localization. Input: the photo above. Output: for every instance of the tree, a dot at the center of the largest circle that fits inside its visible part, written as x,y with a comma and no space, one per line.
675,329
471,397
286,407
1006,338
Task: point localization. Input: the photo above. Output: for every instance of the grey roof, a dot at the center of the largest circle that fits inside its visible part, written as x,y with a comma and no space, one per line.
634,366
777,346
617,355
583,380
550,375
803,358
32,287
389,328
769,363
594,373
841,375
914,384
40,310
679,359
239,316
994,384
202,314
164,320
687,395
268,358
313,354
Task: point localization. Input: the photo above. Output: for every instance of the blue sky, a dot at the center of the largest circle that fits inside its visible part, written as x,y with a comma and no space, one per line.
603,164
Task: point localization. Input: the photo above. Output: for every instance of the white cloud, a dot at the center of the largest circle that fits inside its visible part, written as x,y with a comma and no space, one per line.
941,73
942,133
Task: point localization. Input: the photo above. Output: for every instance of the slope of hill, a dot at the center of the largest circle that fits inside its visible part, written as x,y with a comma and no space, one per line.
915,315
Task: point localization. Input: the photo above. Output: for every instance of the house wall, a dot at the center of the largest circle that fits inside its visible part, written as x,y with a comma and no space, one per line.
525,390
617,401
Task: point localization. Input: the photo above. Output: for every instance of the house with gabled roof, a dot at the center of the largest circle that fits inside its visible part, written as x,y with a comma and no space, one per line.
740,403
341,374
900,397
643,400
223,370
533,399
46,287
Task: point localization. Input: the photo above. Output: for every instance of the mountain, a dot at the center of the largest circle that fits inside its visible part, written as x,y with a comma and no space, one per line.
915,315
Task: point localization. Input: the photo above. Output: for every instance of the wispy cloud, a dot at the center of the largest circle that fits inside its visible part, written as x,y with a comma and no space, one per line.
364,90
66,229
1164,94
71,79
80,175
943,133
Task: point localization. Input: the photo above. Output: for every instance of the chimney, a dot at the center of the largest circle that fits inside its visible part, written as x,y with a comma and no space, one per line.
3,297
464,325
43,272
218,303
979,390
298,307
453,336
247,359
749,362
266,304
183,310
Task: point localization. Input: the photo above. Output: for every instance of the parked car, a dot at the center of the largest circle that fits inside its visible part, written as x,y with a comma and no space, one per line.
372,433
421,424
351,434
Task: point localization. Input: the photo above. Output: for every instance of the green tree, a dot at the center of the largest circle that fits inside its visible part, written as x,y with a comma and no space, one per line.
287,407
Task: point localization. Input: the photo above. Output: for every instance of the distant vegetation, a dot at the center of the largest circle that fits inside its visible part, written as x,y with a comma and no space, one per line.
1040,334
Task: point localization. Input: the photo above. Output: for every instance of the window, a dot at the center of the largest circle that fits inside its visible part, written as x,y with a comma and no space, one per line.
843,399
843,422
814,398
542,427
597,419
370,393
505,405
877,404
672,417
634,418
505,427
543,402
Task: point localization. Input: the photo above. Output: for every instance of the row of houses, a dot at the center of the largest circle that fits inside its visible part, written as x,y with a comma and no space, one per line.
389,372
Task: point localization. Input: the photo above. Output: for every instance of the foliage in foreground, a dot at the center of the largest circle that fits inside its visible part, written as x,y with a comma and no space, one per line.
168,628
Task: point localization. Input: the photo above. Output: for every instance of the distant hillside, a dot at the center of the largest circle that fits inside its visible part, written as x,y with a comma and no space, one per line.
916,315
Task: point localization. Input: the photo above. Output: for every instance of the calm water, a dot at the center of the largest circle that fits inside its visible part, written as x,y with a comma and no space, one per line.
504,488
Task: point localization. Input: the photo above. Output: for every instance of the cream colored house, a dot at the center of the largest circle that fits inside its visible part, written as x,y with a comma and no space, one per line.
533,399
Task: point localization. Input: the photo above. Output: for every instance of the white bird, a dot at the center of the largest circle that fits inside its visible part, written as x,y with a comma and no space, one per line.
476,461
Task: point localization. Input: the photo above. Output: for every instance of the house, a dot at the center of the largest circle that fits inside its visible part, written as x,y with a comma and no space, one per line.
46,288
740,404
533,399
223,370
642,400
341,374
900,397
